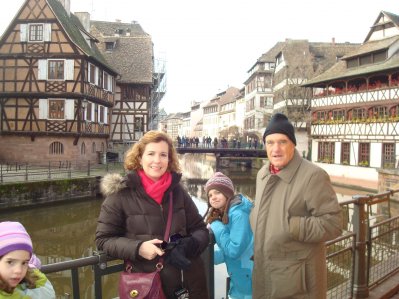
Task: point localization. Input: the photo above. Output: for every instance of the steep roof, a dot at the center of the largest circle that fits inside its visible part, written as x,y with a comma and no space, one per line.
340,70
73,28
132,55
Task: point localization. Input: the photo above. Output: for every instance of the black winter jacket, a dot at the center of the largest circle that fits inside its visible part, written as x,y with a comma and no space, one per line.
129,217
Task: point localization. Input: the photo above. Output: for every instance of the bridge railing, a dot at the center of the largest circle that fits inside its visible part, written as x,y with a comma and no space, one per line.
365,255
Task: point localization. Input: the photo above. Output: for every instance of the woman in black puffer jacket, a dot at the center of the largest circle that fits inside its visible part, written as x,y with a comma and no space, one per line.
133,217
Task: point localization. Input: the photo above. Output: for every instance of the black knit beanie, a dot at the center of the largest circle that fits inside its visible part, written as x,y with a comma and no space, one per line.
279,123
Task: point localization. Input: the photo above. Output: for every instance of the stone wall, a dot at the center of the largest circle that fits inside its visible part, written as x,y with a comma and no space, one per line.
25,194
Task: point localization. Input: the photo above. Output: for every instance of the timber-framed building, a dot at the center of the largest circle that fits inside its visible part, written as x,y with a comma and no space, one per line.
355,106
140,85
56,89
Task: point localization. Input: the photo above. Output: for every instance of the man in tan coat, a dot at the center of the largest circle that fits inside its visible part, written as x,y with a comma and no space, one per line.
296,211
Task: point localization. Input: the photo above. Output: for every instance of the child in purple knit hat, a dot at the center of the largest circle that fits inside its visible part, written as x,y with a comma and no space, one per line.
228,218
17,279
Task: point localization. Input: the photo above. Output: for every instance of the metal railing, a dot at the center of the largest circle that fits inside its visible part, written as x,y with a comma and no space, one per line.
24,172
364,256
103,265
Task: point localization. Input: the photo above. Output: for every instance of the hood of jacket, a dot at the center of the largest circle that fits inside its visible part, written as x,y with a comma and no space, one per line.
114,182
241,202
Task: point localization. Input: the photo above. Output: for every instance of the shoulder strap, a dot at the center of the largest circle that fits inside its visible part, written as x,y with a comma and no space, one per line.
169,222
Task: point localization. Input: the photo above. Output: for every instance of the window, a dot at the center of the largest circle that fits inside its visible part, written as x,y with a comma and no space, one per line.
339,114
83,149
326,152
56,69
93,74
364,154
35,32
93,147
89,111
380,112
56,109
388,155
345,153
358,113
101,116
138,124
107,82
109,46
56,148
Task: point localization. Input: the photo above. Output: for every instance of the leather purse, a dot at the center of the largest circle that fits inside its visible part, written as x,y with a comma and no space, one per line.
141,285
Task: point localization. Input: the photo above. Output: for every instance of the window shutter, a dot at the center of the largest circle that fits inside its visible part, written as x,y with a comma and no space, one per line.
69,69
43,108
23,32
42,69
93,117
47,33
110,86
97,78
105,115
69,109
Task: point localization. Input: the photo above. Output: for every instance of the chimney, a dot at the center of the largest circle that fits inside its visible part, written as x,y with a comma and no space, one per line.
333,41
84,18
67,6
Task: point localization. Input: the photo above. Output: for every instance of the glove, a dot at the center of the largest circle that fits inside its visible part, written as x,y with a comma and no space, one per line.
177,257
189,245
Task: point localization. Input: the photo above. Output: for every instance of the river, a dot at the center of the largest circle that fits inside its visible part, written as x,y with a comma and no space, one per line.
66,231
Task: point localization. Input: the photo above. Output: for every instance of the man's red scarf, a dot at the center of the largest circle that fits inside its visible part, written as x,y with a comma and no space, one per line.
156,189
273,170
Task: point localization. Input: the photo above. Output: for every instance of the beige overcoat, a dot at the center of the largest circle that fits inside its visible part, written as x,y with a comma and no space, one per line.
295,212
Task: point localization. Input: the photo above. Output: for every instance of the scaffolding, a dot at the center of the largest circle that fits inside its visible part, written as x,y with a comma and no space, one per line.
158,92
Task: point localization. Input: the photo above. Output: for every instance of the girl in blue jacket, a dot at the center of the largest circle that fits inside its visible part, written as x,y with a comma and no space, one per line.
228,217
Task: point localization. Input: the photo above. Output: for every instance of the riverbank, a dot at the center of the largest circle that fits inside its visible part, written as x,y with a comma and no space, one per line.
356,184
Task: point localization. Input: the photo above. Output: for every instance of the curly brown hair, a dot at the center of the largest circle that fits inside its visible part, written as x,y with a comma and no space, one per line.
134,154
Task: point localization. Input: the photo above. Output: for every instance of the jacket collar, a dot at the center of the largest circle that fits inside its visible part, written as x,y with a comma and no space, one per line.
288,172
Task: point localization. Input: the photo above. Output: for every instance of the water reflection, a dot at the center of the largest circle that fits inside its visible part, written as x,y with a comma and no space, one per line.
66,231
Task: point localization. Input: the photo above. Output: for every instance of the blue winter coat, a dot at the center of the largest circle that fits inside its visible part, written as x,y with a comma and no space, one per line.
235,247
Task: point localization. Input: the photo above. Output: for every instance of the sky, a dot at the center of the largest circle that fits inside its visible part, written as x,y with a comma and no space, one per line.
210,45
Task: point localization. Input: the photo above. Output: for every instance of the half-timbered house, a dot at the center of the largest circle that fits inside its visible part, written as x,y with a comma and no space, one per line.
56,89
129,50
355,106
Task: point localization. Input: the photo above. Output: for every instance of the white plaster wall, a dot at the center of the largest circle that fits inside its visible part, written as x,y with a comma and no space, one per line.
354,152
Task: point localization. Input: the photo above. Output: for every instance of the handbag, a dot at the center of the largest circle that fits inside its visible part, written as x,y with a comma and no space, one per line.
141,285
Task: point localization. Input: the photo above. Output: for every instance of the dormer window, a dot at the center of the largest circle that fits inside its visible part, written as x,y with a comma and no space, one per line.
109,46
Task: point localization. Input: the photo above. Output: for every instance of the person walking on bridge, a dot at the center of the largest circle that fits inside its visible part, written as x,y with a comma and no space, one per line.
295,212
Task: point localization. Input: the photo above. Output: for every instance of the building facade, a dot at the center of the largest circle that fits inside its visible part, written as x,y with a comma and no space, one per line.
56,89
355,108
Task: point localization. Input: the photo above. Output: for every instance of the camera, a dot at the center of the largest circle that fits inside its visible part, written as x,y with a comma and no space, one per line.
182,294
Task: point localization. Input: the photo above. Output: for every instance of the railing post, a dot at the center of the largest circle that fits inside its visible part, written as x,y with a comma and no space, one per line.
360,284
26,171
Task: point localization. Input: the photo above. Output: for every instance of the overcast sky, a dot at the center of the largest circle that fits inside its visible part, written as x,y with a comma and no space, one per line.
209,45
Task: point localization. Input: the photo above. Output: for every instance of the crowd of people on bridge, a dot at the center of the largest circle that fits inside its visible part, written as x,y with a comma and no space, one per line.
208,142
273,245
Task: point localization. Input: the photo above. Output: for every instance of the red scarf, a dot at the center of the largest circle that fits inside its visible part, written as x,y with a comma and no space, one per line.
156,189
273,170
